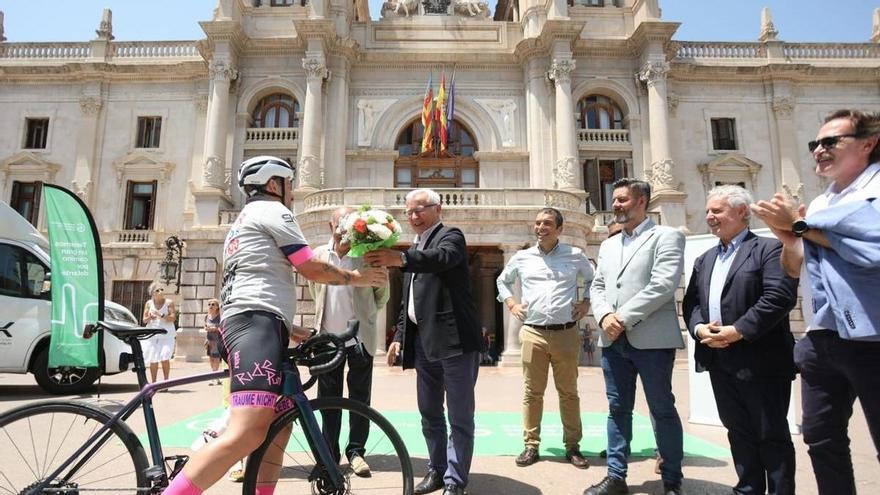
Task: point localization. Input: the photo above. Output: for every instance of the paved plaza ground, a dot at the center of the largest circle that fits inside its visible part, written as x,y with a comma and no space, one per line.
182,412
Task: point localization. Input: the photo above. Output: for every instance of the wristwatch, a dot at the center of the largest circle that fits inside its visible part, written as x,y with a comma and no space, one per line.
402,259
799,227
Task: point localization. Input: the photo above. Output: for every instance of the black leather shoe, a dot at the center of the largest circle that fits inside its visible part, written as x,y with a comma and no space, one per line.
453,490
577,459
672,489
528,457
608,486
432,482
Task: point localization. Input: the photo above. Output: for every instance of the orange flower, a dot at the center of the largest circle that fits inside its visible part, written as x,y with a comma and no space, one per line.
360,225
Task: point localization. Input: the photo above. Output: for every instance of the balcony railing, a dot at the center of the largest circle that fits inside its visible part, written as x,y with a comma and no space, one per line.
450,198
691,49
134,236
271,137
830,51
790,51
153,49
44,51
602,137
82,50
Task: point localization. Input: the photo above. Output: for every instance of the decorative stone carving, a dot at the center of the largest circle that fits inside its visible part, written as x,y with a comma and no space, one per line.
672,103
653,72
90,105
400,8
783,107
471,8
105,29
560,70
142,164
214,173
768,30
660,176
797,196
82,190
564,173
436,6
308,173
875,31
222,70
369,112
315,67
503,112
2,38
201,103
730,168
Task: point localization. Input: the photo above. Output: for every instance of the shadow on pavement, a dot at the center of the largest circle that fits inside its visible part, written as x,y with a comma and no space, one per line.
490,483
689,486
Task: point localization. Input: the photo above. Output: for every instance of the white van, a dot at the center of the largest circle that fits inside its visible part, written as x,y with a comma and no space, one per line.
26,310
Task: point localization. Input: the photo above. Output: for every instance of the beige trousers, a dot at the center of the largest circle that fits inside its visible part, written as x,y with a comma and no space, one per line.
540,350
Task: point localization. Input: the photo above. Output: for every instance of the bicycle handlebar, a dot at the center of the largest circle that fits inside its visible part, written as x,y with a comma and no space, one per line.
314,351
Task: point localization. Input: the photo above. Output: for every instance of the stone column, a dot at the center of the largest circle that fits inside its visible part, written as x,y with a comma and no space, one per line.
567,174
87,130
790,178
309,169
215,170
537,98
512,354
665,197
337,135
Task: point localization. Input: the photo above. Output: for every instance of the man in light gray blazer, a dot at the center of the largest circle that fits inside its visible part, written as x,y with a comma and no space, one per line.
633,295
334,306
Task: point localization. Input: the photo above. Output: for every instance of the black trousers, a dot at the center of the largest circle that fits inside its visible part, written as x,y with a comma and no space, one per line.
360,382
834,372
754,413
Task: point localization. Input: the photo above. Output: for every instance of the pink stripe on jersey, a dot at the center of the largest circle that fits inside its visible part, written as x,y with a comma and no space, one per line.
253,399
301,256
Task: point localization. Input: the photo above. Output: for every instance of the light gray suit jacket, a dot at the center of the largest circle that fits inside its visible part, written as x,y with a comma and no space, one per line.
367,302
641,287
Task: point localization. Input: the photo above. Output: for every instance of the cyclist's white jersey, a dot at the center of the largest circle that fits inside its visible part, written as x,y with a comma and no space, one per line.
257,255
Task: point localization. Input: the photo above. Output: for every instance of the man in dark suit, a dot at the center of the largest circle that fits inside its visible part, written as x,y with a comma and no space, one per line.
736,307
438,333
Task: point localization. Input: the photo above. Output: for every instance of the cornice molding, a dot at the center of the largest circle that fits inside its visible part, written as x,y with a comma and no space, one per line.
794,73
225,30
652,31
106,72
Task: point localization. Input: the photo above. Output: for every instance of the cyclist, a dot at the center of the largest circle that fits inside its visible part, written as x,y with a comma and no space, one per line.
258,298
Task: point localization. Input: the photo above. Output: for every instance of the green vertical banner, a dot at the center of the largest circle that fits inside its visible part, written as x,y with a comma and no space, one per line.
77,278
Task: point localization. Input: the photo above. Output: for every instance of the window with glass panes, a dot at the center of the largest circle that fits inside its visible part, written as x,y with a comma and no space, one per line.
724,134
457,168
599,175
25,200
599,112
276,110
140,205
149,130
36,133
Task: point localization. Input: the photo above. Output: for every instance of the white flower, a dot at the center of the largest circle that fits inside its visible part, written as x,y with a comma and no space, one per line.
380,230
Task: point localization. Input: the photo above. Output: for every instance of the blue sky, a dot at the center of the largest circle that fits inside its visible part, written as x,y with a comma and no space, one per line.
702,20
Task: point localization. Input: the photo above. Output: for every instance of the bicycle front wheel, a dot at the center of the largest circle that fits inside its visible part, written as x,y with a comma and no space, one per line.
39,438
289,453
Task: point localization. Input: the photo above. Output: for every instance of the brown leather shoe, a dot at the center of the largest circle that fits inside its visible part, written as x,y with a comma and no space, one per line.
577,459
528,457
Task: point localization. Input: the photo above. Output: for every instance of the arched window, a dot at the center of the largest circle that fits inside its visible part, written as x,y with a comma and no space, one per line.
598,112
276,110
457,168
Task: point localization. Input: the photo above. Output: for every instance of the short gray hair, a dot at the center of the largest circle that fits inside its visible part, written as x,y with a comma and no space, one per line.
736,196
433,197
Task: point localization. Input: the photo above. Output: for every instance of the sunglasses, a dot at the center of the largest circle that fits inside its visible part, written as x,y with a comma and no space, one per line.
828,142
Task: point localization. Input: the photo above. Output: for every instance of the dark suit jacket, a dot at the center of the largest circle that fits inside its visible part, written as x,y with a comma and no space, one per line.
447,318
756,299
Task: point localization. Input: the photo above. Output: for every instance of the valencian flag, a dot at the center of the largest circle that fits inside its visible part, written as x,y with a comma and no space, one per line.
77,278
440,111
428,117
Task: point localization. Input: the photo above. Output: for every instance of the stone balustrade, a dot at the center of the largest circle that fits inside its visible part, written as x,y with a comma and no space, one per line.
692,49
830,50
603,136
44,50
271,137
790,51
134,236
451,198
153,49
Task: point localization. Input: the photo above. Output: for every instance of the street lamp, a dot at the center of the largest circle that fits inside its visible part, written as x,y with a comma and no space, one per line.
170,267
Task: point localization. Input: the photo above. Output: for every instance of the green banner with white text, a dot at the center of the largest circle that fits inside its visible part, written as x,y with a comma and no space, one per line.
77,278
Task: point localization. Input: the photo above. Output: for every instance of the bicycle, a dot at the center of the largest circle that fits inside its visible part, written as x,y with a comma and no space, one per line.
68,447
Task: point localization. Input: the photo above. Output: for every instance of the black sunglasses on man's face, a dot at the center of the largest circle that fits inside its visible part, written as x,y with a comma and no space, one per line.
828,142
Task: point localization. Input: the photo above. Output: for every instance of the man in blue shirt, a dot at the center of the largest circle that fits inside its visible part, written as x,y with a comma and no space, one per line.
736,308
838,241
550,309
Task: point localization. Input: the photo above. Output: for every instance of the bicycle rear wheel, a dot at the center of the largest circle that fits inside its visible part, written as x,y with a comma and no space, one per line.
300,472
37,438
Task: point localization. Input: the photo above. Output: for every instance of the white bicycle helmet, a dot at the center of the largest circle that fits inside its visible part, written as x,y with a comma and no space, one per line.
258,170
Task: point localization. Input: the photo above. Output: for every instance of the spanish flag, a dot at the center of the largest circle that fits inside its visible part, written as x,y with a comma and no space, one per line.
428,117
441,109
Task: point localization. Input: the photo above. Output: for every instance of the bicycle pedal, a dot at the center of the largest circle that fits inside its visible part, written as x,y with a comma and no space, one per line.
156,475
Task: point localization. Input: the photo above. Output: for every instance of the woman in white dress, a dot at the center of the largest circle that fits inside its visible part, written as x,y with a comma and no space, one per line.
159,312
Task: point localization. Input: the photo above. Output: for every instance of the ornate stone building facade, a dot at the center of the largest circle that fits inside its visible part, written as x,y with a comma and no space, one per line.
554,100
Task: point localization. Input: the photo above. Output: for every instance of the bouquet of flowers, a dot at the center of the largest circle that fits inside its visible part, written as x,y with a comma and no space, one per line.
368,229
